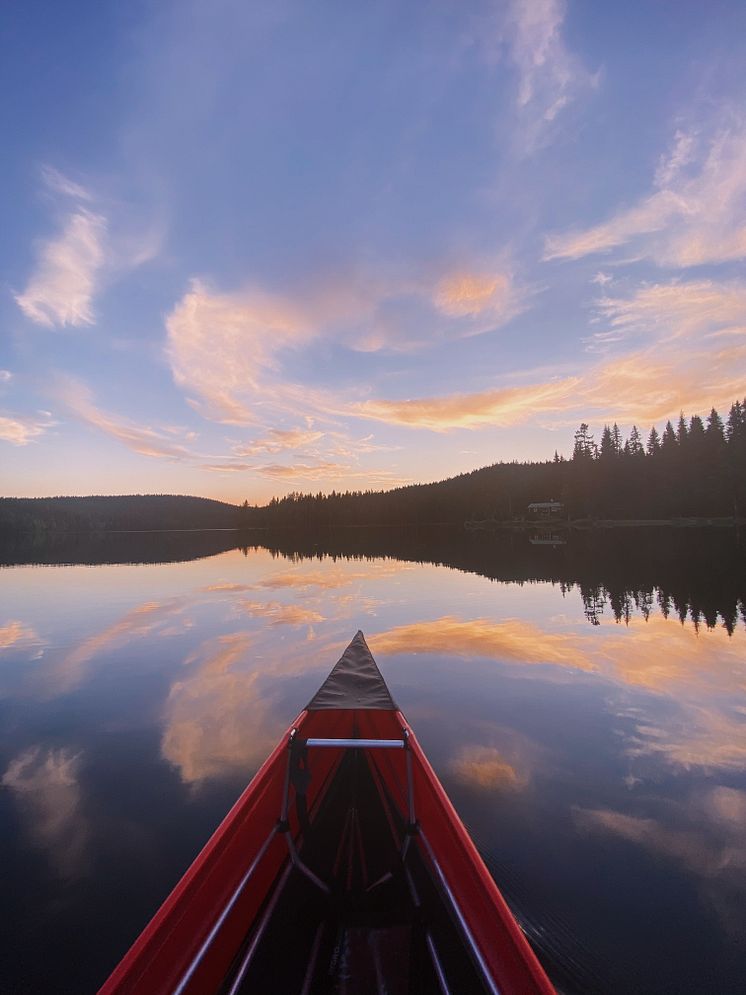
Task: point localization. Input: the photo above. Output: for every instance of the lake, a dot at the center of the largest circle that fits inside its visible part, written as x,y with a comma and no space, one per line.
581,696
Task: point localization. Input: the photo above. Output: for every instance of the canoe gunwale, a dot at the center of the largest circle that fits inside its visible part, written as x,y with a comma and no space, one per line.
200,930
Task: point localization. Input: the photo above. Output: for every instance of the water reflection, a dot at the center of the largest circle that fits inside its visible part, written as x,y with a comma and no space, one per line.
45,784
601,768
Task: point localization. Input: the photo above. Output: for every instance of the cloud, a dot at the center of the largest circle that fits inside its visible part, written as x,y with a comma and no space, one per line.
60,290
46,786
143,440
644,386
88,249
550,77
143,620
5,376
58,183
512,641
479,295
331,578
15,635
227,350
688,847
217,718
697,309
485,768
693,217
280,614
278,440
222,347
60,672
19,430
504,406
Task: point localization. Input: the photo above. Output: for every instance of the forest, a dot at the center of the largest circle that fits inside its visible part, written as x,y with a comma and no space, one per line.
129,512
694,469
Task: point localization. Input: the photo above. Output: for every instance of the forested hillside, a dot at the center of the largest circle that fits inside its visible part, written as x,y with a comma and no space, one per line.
126,512
697,469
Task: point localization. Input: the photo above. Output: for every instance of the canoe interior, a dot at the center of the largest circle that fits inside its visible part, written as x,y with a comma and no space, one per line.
354,937
363,937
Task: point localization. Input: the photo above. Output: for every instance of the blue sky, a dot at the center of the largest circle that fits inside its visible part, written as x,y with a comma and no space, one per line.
254,248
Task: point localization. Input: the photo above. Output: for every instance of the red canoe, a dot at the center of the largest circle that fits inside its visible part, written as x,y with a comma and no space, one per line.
342,868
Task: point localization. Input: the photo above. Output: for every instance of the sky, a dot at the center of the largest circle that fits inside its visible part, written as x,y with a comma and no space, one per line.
254,248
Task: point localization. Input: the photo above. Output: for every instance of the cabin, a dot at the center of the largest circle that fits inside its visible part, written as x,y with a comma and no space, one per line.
546,509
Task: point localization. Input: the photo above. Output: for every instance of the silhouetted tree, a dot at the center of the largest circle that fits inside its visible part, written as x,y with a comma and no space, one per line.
654,442
635,442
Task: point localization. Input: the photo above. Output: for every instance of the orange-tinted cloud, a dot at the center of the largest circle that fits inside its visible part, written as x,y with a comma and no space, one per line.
19,430
280,614
695,216
223,346
512,640
644,386
144,440
220,718
505,406
485,768
489,296
15,634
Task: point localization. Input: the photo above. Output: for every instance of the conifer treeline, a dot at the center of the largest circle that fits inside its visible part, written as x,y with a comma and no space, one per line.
696,469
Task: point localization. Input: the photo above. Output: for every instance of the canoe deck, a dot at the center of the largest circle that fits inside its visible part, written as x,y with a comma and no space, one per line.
343,868
362,937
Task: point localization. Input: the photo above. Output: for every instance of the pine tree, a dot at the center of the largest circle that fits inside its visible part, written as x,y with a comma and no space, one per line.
715,432
607,450
668,439
585,447
736,425
654,442
681,430
635,442
616,439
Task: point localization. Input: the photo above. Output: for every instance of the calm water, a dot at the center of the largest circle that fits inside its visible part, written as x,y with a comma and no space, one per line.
594,743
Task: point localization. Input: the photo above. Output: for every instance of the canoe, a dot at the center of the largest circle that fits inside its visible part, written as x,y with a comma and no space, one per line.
343,868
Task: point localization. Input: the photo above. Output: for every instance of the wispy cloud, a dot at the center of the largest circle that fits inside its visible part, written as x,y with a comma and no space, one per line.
57,182
646,385
504,406
86,251
695,215
222,347
279,614
146,441
278,440
550,76
60,290
227,351
19,430
695,309
5,376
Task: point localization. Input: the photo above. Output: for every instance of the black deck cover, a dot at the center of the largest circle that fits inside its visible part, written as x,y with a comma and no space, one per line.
355,682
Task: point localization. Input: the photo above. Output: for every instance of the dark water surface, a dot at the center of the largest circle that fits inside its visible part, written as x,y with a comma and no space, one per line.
583,702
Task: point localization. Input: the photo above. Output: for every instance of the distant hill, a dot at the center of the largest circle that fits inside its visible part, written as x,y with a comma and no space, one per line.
122,512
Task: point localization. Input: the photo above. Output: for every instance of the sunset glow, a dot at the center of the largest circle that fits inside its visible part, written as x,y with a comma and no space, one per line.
241,259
